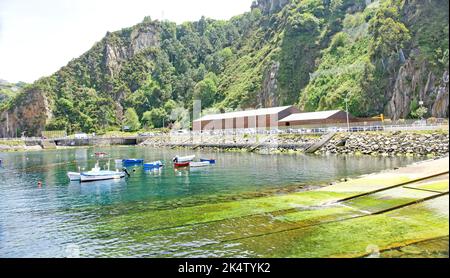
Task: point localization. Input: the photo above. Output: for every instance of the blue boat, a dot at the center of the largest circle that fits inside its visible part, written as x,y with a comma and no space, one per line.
211,161
132,161
153,165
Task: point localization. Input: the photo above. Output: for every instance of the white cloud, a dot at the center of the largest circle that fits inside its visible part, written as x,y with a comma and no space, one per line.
39,37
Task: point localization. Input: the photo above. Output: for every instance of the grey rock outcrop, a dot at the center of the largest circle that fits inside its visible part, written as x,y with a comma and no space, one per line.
269,6
268,94
415,81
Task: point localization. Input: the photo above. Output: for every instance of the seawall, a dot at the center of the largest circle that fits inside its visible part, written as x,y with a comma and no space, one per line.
370,143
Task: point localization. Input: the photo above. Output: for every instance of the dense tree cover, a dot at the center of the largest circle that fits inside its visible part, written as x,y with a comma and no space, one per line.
328,52
9,91
131,121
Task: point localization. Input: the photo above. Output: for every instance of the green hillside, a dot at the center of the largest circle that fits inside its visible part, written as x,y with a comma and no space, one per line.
383,56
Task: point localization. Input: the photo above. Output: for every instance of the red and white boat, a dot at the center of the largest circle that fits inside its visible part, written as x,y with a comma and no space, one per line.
181,164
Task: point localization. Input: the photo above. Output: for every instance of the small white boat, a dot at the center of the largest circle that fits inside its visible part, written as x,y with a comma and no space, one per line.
199,164
74,176
101,175
96,174
182,159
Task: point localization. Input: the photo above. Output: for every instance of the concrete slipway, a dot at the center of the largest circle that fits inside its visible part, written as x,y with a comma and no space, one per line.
384,214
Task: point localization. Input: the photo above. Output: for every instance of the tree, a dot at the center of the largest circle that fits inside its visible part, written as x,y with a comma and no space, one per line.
147,97
389,33
156,118
132,120
420,112
170,105
206,90
335,5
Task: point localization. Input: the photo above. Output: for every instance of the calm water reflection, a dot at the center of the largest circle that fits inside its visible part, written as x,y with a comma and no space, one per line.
43,221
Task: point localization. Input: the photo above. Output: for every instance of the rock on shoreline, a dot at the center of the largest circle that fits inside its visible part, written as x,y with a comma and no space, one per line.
389,144
6,148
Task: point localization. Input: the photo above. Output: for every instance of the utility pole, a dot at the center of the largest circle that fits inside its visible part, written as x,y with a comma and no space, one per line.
7,124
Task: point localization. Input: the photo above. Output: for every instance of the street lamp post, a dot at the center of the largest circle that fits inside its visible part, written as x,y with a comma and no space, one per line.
346,109
421,103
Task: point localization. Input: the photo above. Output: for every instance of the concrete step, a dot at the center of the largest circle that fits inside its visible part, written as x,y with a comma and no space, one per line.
325,139
48,145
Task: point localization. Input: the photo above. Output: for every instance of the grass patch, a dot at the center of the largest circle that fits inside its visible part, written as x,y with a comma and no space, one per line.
12,143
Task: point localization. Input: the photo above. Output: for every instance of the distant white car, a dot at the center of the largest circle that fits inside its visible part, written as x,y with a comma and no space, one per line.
81,136
181,132
420,123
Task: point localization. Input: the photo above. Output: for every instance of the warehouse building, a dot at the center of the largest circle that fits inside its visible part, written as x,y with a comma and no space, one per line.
258,119
322,118
276,117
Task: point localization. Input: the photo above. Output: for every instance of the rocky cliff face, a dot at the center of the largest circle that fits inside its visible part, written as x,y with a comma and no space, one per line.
415,81
441,104
116,54
30,117
268,95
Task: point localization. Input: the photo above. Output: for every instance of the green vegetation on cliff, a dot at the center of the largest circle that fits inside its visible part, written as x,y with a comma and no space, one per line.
9,91
313,53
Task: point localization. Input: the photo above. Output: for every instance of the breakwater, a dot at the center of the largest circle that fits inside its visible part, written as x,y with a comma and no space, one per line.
434,143
395,143
369,143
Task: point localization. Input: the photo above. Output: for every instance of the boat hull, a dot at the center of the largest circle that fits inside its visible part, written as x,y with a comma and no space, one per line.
199,164
181,164
132,161
73,176
211,161
155,164
101,177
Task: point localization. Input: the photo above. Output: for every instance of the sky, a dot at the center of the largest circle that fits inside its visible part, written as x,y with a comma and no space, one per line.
38,37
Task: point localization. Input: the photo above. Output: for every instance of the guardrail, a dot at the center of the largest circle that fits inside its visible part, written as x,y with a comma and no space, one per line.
317,130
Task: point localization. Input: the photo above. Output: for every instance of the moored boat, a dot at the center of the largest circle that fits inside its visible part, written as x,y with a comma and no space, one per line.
199,164
97,174
181,159
132,161
211,161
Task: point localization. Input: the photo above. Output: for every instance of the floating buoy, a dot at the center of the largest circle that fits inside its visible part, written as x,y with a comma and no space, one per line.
39,184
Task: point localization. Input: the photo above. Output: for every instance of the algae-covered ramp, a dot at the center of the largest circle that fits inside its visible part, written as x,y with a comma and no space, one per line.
385,210
356,237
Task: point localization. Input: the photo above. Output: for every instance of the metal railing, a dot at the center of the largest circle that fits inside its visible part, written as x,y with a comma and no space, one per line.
409,125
